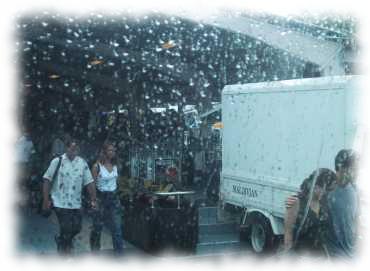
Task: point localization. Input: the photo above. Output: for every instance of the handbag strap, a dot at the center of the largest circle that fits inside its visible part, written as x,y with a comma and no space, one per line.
57,169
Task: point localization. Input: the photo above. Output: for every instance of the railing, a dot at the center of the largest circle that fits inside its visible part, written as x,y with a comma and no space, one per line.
178,195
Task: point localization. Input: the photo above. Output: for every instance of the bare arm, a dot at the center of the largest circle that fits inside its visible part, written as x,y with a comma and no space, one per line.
46,204
92,191
91,187
94,171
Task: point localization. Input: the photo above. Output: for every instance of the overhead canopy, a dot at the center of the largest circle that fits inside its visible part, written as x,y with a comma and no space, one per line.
102,63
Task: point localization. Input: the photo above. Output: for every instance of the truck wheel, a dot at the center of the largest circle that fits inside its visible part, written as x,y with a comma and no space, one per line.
261,235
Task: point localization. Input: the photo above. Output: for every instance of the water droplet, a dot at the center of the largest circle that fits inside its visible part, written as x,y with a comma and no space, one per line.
87,88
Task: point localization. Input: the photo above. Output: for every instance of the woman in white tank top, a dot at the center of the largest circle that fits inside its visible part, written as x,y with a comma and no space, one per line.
106,180
109,212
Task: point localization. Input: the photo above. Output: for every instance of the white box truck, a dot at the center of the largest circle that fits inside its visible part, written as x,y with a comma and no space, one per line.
274,135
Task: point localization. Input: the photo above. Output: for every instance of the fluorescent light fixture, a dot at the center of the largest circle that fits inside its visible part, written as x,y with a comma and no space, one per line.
158,109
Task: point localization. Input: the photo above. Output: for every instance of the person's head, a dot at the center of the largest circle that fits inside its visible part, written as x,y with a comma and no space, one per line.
346,163
324,181
72,148
171,173
25,131
108,152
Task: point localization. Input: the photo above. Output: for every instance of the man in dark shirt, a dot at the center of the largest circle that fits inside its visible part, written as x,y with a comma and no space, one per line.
343,207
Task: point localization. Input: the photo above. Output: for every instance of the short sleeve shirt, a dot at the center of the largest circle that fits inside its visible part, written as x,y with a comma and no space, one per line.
67,187
343,214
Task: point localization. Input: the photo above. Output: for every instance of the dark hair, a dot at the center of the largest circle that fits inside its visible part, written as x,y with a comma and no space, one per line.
103,150
69,140
325,178
345,158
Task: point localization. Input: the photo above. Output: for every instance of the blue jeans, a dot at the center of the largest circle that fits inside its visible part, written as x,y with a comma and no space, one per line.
109,213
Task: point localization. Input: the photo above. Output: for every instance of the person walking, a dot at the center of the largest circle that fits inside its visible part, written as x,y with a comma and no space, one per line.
305,228
64,181
343,207
342,204
105,173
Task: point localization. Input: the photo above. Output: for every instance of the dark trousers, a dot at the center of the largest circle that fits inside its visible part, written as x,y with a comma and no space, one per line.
70,221
109,213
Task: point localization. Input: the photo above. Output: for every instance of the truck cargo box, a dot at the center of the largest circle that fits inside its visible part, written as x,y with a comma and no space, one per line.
276,133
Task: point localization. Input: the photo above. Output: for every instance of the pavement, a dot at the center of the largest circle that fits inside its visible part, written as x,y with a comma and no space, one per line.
36,236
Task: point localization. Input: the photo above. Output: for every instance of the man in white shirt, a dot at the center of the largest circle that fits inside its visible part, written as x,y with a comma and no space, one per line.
24,148
64,180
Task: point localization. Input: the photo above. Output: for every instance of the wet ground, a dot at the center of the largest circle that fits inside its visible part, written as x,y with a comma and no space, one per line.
37,236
